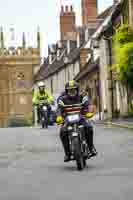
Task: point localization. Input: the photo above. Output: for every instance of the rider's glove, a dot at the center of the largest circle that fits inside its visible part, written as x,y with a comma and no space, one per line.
89,115
59,120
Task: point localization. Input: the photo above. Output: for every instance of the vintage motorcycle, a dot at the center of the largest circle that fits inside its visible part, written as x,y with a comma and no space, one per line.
44,109
77,140
52,117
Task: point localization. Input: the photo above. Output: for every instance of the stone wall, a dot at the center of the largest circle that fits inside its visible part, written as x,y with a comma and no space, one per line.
16,80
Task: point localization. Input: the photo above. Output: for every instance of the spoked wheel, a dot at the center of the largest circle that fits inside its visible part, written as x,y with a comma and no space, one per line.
78,154
44,122
84,162
80,164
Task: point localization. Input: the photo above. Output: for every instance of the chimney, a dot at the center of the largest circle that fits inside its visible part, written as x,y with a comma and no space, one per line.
58,54
89,11
68,46
67,22
66,9
23,41
59,47
38,38
86,34
1,38
84,52
62,9
78,40
115,2
50,59
71,8
51,52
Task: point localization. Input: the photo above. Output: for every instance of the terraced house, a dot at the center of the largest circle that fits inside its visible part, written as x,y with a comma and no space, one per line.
114,94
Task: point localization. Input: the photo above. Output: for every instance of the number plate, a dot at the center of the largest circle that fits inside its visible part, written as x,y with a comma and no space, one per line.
53,108
74,134
72,118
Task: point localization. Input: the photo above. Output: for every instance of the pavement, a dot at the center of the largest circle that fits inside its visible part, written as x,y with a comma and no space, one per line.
32,167
124,123
119,122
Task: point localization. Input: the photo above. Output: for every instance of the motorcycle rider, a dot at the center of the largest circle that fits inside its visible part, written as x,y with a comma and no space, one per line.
41,95
63,93
73,97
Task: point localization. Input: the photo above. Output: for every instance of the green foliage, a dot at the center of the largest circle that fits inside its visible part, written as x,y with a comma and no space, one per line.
124,34
29,118
123,41
20,122
131,109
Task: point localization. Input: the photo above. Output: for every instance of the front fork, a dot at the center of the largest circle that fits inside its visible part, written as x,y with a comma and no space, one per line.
78,132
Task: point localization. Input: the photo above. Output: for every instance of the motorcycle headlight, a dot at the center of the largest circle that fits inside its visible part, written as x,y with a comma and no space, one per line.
45,108
69,128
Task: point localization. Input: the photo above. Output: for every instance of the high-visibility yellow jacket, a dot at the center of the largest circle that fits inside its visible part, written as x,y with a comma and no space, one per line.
39,97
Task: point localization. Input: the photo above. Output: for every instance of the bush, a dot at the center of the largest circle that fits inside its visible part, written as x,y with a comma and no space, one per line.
124,34
29,118
21,121
123,41
130,110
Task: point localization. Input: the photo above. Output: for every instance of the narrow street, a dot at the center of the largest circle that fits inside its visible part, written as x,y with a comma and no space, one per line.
32,168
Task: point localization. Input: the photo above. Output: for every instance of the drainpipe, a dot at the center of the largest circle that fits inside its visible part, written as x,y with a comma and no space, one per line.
111,76
99,94
35,116
108,39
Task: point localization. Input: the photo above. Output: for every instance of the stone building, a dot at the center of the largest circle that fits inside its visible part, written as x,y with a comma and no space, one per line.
16,79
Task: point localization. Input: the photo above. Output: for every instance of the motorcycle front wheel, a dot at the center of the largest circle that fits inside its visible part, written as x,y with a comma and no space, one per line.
78,154
45,121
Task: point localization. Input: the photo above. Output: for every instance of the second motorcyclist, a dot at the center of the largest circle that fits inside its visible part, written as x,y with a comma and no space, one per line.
40,95
72,97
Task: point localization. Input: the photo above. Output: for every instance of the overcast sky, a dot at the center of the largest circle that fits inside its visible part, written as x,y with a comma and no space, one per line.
26,15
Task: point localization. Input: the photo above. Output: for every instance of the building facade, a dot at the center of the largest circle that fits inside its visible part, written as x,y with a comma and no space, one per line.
127,12
16,80
58,71
114,95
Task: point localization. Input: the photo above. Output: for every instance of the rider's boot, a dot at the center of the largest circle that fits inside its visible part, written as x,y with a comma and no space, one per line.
93,151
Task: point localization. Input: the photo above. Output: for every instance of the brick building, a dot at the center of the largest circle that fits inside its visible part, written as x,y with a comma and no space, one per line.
89,11
67,23
16,76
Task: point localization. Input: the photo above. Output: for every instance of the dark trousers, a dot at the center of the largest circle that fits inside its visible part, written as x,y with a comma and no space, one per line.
88,135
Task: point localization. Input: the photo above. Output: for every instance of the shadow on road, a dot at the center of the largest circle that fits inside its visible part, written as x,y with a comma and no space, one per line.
72,167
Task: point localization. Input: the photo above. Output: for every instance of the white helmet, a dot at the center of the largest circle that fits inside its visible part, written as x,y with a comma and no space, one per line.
41,84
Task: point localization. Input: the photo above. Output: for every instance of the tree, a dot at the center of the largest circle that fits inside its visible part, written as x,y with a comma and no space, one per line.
123,43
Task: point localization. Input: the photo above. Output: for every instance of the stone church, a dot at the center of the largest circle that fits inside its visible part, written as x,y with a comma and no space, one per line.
17,67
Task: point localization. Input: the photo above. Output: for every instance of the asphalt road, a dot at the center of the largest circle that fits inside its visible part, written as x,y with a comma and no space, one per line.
32,167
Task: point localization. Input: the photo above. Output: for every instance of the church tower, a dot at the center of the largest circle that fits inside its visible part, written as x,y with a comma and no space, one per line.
16,79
